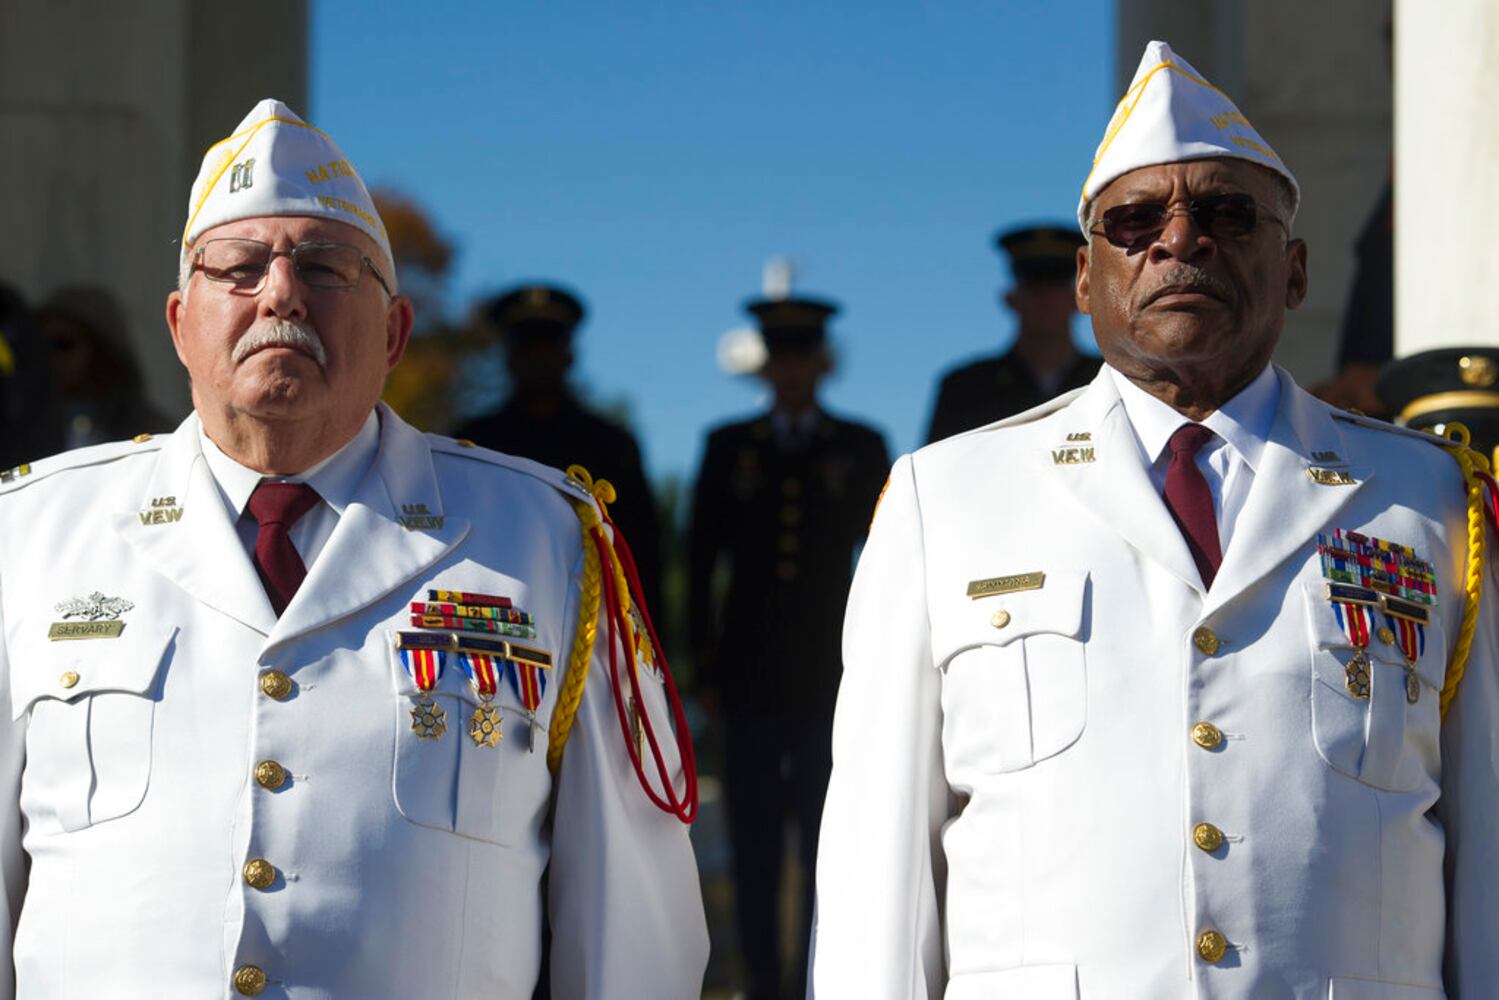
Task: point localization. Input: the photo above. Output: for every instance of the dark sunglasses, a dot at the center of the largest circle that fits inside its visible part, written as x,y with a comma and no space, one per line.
1222,216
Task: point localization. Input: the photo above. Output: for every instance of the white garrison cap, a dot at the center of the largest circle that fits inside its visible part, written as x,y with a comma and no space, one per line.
1169,114
276,164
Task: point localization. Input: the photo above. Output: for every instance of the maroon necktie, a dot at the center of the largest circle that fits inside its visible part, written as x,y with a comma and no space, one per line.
276,507
1191,502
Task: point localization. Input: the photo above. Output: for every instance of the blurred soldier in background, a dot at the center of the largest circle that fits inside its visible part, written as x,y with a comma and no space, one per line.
94,365
1043,361
544,420
784,499
29,427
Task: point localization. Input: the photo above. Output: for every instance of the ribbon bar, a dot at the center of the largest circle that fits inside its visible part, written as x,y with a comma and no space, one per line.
1347,593
426,640
464,597
1409,610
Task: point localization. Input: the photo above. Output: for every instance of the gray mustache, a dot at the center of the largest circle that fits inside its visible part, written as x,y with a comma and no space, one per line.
281,333
1186,278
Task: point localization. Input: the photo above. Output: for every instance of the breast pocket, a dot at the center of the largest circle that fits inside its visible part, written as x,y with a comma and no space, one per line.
1364,722
91,705
496,794
1015,690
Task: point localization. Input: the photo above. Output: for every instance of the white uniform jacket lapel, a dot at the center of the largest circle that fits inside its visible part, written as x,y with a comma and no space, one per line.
1113,486
391,531
1286,505
200,551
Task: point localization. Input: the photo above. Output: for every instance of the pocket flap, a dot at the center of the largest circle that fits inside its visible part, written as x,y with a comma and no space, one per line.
1034,982
1055,608
69,669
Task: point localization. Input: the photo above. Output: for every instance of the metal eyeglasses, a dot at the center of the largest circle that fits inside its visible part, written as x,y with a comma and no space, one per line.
243,264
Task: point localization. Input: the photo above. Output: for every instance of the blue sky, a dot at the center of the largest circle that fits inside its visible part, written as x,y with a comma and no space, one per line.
655,155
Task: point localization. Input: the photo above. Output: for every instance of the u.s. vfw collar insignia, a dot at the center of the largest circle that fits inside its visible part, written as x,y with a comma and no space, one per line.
99,617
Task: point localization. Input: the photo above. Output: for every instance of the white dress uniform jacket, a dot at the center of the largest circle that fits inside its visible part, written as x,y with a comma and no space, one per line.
129,799
1019,779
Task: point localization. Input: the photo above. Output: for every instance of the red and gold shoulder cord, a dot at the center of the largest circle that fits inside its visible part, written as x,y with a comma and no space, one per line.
611,582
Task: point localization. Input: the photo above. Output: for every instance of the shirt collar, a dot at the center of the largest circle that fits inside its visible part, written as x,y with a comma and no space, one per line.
335,478
1243,422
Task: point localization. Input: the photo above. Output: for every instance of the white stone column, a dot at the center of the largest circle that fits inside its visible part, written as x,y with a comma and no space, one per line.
1447,165
1446,256
105,109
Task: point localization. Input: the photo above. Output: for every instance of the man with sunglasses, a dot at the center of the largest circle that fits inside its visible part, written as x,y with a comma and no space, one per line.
297,701
1183,684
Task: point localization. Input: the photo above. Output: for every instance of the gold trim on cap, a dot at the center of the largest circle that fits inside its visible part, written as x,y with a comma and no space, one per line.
1462,399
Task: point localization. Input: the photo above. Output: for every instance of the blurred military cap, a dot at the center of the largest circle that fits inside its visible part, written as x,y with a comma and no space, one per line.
535,309
792,322
1041,253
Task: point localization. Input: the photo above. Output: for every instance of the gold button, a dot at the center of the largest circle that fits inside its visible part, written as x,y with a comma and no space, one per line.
142,439
1212,946
249,980
1386,635
466,443
69,679
1206,640
259,873
269,774
1000,618
1207,735
1207,836
275,684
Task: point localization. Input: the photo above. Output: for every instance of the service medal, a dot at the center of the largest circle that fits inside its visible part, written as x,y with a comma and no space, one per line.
530,683
424,665
1368,576
485,725
428,720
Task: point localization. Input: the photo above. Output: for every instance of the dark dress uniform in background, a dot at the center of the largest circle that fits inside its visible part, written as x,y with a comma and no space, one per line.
543,419
1043,262
782,503
30,422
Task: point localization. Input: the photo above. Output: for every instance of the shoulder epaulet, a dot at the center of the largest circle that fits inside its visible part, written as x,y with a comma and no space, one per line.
1375,424
552,476
28,473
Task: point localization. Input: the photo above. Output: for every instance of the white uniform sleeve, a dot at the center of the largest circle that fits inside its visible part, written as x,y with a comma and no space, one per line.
626,908
12,860
1469,808
877,934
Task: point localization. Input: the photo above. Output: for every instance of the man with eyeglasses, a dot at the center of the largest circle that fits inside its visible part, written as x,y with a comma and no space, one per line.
1184,683
297,701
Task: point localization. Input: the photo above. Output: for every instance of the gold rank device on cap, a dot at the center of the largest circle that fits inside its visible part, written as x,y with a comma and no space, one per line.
1170,114
275,163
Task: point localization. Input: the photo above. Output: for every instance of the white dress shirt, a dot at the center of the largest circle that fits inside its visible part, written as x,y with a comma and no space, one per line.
1228,461
335,478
